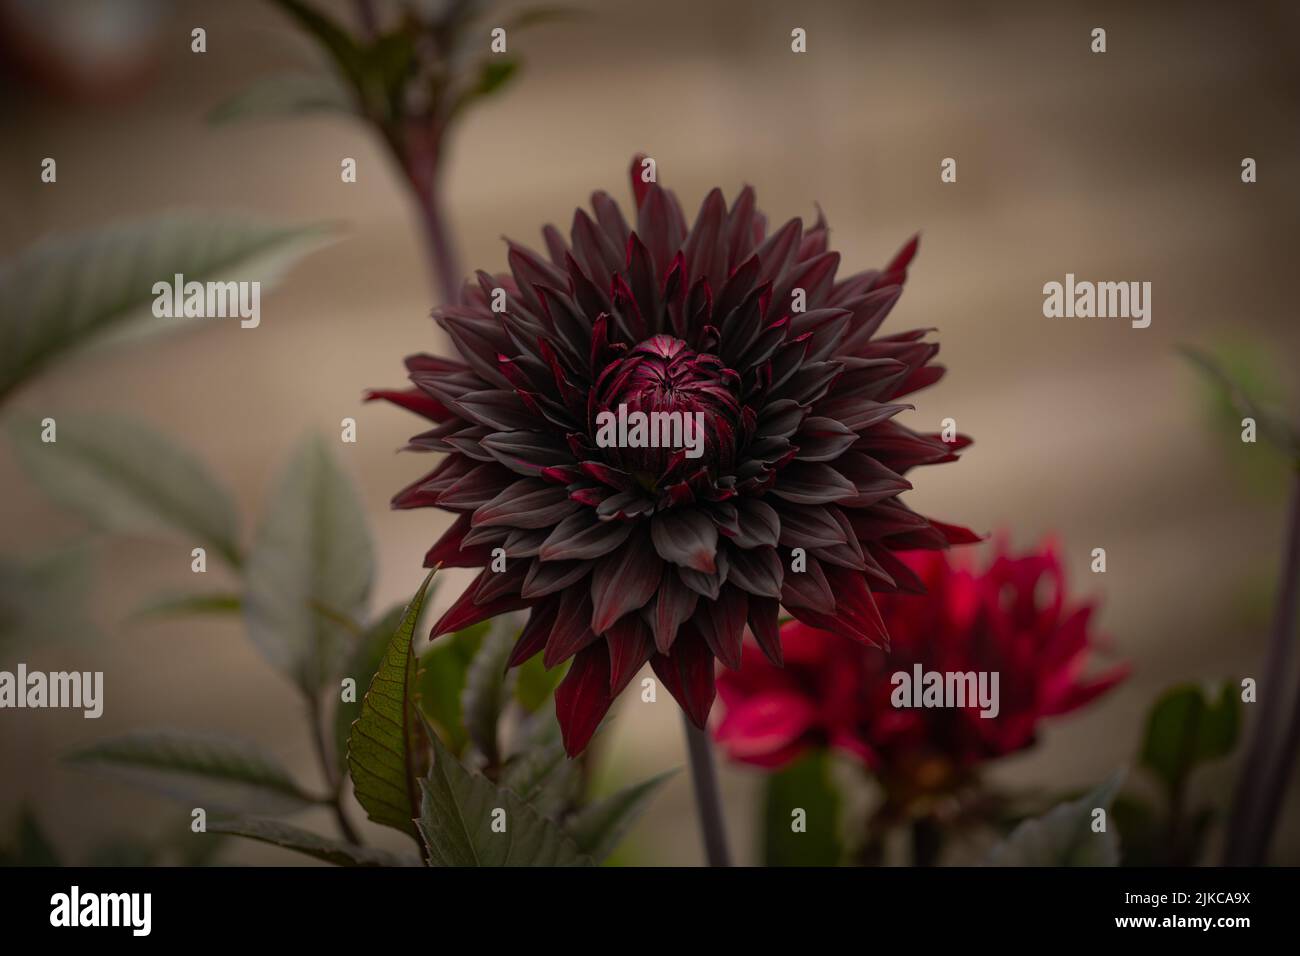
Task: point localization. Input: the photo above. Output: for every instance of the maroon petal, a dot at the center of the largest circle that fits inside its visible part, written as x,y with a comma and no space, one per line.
687,672
723,625
686,537
674,607
624,583
571,631
583,536
630,646
583,697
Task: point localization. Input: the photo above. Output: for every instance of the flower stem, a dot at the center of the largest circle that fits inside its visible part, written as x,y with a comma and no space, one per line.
333,779
704,775
1269,761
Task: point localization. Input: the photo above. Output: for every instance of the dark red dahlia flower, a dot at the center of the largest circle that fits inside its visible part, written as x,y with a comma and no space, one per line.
1013,618
648,420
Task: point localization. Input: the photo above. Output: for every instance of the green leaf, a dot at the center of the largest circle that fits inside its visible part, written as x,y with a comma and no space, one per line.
805,785
494,73
1271,423
599,827
67,290
124,477
387,752
304,841
183,605
1064,836
286,94
1187,727
346,54
535,683
367,656
457,814
539,771
44,600
488,688
312,550
443,671
222,773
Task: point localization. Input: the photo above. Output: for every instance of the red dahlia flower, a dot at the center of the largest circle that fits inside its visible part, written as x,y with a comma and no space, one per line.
632,552
1014,618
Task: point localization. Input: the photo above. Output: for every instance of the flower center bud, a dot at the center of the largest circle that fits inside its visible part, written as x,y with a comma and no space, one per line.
665,407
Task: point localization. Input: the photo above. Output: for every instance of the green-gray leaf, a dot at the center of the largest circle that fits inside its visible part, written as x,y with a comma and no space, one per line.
312,550
1064,836
222,773
599,827
443,670
387,750
489,687
44,599
286,94
67,290
539,771
459,809
304,841
183,605
124,477
367,656
1187,727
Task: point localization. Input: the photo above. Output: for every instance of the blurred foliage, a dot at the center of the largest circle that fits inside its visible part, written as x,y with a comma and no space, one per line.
1067,835
1187,727
801,814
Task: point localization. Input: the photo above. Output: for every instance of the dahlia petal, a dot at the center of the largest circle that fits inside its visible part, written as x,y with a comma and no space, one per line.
765,723
765,624
674,606
624,582
686,537
476,488
723,625
868,314
547,577
757,571
413,400
527,453
758,524
535,633
687,672
464,612
778,250
501,584
449,552
809,589
583,697
812,483
630,646
809,526
527,503
571,631
582,536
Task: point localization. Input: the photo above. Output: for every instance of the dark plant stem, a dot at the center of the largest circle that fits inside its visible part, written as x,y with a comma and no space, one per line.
333,780
708,804
1267,770
442,248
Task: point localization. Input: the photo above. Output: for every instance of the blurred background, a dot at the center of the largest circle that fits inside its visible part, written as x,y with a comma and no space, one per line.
1122,166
